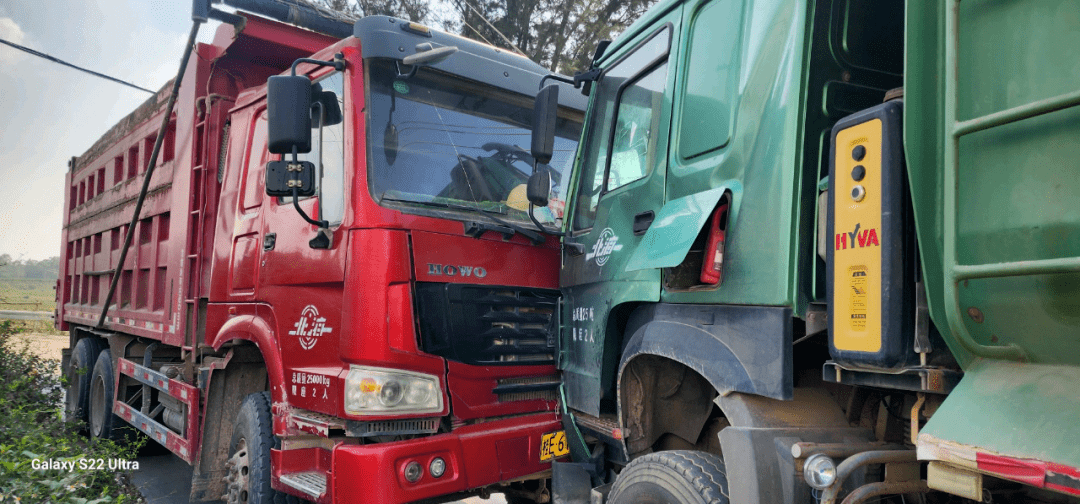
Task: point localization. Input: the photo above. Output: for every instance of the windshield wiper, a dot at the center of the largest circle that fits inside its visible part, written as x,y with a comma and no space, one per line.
476,229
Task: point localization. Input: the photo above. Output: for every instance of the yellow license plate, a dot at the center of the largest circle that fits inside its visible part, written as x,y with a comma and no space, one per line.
553,445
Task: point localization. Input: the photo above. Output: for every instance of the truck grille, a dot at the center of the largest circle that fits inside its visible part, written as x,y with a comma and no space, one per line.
526,389
485,325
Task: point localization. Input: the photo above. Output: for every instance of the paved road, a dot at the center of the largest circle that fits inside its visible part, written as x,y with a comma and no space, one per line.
165,479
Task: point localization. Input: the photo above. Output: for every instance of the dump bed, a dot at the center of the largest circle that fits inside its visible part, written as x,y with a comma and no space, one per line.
991,126
166,272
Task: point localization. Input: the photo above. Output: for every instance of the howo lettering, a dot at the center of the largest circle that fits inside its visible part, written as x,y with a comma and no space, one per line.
848,256
275,322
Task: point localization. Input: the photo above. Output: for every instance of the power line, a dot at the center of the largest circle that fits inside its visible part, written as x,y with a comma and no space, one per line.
62,62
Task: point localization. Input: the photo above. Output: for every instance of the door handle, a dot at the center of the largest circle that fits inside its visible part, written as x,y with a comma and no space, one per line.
269,240
642,221
575,249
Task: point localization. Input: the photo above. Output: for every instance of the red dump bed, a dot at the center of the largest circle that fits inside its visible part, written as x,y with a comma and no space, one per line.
167,267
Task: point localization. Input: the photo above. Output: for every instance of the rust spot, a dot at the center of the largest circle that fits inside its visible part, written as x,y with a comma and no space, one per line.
965,283
993,338
975,314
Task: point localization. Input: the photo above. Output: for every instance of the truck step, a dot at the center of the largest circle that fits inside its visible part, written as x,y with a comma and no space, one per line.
314,423
312,483
606,426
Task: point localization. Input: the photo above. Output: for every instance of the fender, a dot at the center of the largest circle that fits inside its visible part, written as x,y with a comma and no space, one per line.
735,348
258,331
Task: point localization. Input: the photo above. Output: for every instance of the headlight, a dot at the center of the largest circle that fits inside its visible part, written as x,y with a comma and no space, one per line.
819,471
370,391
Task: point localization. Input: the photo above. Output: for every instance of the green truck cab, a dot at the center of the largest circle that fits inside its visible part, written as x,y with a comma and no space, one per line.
817,249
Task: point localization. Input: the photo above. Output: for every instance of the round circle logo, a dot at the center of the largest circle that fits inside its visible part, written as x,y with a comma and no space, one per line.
607,243
310,327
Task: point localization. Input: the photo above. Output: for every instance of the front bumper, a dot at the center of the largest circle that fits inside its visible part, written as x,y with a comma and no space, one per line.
476,456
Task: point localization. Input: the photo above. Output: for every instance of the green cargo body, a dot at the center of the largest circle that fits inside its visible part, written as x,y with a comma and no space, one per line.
991,134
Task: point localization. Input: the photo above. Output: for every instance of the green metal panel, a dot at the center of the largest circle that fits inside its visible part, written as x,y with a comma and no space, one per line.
676,226
709,77
991,122
924,148
761,156
1019,410
593,277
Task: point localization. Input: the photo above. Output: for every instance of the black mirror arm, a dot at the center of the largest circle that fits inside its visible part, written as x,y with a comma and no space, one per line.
583,77
296,205
296,199
579,78
554,77
338,63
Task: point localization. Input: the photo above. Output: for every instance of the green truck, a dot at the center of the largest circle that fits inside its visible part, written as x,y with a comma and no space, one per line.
817,250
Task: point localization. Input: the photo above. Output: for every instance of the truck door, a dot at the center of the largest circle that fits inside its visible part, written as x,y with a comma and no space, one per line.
303,283
620,188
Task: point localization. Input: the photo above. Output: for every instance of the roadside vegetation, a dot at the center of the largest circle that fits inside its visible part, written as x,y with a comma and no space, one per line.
33,432
28,294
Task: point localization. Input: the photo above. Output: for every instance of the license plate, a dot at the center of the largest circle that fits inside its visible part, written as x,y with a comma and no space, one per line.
553,445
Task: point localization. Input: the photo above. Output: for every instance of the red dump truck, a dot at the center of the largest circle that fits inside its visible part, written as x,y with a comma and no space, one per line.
390,337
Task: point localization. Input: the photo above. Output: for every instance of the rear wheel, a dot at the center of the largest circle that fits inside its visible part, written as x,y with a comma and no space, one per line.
103,423
672,477
79,372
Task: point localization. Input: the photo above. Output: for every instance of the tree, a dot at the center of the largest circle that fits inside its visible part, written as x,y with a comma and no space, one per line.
558,34
412,10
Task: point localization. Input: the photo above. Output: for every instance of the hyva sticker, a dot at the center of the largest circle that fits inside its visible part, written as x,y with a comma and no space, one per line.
604,246
310,327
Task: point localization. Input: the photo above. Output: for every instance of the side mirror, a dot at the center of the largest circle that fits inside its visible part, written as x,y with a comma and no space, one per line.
543,132
538,188
283,176
288,107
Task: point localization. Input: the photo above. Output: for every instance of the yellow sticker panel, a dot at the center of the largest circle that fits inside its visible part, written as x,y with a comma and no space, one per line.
856,243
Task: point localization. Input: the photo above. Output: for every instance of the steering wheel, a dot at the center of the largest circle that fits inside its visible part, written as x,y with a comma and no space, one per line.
507,153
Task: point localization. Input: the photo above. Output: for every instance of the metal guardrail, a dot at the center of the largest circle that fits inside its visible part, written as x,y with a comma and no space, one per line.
25,315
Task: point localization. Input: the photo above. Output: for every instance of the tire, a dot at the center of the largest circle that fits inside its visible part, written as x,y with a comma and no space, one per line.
80,370
672,477
248,468
102,422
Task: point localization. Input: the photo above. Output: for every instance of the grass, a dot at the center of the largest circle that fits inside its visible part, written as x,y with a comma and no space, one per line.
32,430
27,294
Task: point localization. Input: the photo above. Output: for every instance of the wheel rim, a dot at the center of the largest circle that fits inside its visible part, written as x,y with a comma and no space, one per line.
97,405
238,473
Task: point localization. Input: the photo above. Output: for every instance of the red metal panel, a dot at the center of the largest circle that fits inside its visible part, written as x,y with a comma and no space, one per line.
457,258
470,388
376,472
187,447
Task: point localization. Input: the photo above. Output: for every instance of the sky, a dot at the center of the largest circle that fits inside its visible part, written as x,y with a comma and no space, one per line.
49,112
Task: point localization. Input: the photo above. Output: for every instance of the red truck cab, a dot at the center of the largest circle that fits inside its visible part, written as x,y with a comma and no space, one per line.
403,352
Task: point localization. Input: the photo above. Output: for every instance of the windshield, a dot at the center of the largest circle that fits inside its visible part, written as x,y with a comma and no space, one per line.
440,140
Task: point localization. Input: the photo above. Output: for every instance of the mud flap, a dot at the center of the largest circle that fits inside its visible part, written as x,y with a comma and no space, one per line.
571,483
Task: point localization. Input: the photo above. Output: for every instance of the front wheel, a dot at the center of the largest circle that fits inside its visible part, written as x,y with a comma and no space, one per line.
672,477
248,476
